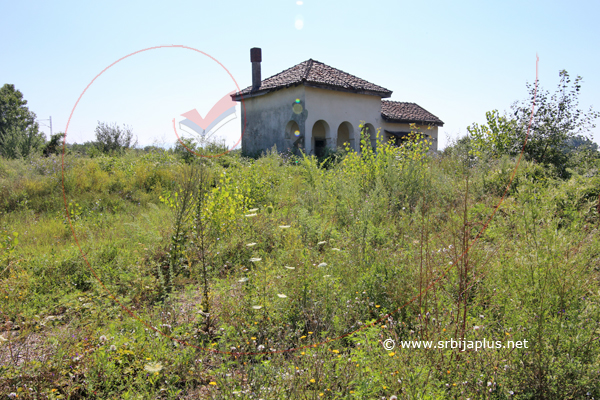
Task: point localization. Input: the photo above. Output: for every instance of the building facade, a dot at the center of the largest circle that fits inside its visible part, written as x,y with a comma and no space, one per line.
311,107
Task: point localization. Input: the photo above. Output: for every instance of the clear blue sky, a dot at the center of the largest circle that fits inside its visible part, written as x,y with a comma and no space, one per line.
456,59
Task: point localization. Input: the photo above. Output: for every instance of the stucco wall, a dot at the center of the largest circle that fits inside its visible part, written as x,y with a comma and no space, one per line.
266,118
335,108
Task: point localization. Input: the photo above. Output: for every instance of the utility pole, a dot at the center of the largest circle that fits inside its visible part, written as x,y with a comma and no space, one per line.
49,119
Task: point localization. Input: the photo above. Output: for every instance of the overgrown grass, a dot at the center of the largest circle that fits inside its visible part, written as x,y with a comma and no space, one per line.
283,276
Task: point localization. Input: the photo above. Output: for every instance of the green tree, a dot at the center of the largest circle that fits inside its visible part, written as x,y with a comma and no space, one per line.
497,137
54,144
556,120
19,133
110,138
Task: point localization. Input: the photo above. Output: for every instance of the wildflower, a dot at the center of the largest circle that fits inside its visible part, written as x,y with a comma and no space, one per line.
322,242
284,226
253,210
250,215
255,259
212,383
103,338
377,306
3,339
257,307
261,347
253,338
153,367
312,381
244,279
392,354
335,351
335,249
322,265
290,267
282,296
251,244
113,347
302,353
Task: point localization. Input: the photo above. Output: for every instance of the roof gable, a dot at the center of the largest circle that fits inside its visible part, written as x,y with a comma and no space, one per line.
316,74
396,111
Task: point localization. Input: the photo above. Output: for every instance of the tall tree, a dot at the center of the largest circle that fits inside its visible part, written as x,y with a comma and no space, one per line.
557,119
19,133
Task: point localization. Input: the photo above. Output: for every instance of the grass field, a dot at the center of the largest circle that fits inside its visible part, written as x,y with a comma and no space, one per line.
283,277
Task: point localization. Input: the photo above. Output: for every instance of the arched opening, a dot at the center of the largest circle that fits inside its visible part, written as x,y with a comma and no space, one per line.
292,130
371,134
293,136
345,134
320,132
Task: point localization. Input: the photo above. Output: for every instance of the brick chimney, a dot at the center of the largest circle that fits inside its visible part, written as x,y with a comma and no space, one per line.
256,58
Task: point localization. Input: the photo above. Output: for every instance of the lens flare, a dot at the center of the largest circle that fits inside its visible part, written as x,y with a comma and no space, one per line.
297,108
296,133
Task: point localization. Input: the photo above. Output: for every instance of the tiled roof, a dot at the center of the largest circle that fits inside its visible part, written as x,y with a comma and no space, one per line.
396,111
316,74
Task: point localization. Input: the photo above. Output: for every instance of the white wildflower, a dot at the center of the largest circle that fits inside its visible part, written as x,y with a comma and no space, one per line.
251,244
282,296
244,279
284,226
257,307
322,265
153,367
250,215
255,259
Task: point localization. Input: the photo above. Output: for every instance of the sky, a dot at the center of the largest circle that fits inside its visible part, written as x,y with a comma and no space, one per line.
455,59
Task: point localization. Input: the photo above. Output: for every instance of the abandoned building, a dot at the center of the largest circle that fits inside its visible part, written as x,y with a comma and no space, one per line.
312,106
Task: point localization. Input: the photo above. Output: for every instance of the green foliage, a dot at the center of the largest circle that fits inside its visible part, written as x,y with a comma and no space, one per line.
320,261
54,144
19,133
111,139
497,137
547,136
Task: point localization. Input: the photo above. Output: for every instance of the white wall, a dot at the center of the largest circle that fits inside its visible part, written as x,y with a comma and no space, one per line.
267,117
337,107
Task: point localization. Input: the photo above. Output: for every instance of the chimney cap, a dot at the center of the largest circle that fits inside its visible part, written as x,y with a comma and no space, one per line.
255,54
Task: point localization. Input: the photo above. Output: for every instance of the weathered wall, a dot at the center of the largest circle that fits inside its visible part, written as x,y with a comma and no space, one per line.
266,118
